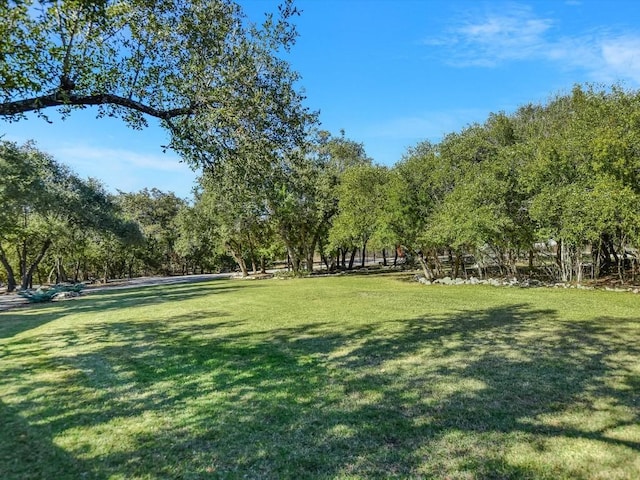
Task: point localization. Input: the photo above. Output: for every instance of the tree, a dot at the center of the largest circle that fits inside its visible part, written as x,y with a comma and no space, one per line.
484,212
416,186
195,244
41,199
234,216
583,176
335,155
27,181
360,207
210,76
155,212
568,171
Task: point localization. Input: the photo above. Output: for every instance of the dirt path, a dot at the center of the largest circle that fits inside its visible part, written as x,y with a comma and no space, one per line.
13,300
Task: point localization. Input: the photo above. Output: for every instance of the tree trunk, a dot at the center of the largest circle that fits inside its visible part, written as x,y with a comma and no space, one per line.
513,262
27,278
239,260
456,266
437,263
323,256
620,262
462,265
22,258
577,262
243,267
363,257
51,272
254,264
11,278
294,259
61,274
353,257
76,272
296,264
309,259
384,257
566,269
428,273
312,249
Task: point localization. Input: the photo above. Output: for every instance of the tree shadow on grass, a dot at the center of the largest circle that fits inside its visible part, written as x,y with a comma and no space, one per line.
27,453
14,322
495,393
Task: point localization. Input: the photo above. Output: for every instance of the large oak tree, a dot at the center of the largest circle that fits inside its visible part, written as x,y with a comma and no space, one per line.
214,79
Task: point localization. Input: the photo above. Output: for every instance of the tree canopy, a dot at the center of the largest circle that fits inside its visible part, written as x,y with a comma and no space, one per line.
42,201
214,79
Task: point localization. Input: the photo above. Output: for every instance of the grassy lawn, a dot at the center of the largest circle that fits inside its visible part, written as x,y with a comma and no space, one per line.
358,377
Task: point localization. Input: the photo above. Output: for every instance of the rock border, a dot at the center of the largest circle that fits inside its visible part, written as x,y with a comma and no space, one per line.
515,283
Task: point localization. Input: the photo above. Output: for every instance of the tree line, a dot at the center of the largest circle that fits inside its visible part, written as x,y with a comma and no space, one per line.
551,188
57,227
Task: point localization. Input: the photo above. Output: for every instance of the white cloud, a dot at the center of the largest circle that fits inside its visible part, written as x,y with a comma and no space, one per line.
512,34
517,34
517,29
621,56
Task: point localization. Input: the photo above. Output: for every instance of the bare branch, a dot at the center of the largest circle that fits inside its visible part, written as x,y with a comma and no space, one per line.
18,107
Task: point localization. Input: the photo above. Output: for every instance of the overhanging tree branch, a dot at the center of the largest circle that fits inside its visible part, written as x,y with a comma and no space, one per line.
58,99
212,77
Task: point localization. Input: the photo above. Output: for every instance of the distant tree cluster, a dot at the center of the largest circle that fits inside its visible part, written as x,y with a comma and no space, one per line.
53,224
56,227
281,210
566,174
552,188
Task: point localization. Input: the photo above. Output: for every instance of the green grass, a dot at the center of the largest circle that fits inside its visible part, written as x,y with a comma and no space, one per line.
358,377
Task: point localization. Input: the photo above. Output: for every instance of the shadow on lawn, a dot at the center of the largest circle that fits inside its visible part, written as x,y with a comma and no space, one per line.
25,453
14,322
435,397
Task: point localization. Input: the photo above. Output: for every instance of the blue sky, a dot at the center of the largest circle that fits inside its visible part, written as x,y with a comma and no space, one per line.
391,73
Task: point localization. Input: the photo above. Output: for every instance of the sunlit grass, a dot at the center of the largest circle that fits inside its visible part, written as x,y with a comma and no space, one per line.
358,377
